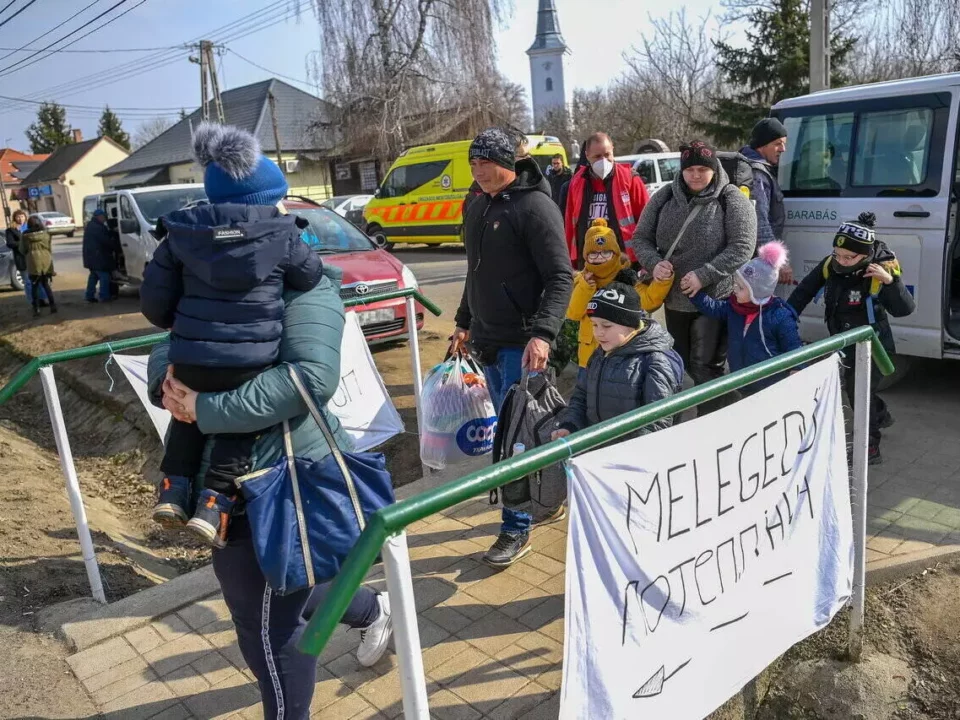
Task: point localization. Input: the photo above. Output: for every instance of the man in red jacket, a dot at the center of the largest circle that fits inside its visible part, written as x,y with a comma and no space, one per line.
603,188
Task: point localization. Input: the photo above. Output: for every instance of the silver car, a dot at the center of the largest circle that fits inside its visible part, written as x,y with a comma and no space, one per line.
56,223
9,275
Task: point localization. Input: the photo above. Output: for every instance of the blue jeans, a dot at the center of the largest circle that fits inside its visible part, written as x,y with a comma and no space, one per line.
103,277
500,376
268,625
28,288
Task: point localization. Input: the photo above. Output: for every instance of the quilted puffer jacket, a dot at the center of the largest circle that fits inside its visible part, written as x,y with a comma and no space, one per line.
643,371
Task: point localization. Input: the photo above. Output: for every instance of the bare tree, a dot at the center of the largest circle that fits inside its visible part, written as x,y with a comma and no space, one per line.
674,69
150,129
384,60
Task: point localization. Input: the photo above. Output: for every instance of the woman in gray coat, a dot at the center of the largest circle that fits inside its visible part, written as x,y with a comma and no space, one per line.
719,239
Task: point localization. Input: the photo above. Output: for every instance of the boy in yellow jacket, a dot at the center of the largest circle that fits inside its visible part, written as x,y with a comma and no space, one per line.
604,263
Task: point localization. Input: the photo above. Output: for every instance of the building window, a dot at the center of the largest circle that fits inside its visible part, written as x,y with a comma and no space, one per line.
549,84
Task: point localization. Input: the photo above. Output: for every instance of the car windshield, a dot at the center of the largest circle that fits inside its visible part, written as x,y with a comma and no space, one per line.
155,204
330,233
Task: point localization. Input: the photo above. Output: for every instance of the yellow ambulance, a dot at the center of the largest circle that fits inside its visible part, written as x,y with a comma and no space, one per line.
421,198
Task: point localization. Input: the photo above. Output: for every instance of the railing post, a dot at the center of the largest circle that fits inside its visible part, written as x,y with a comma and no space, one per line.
413,682
861,414
414,341
73,485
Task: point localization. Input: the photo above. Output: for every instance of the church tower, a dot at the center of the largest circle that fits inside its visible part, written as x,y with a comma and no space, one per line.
548,56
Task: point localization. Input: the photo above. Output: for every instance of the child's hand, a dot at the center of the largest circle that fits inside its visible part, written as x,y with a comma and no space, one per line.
663,270
690,285
589,278
557,434
879,272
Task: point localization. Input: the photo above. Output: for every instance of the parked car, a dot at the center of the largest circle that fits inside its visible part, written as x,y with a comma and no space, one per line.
368,271
655,169
8,269
57,223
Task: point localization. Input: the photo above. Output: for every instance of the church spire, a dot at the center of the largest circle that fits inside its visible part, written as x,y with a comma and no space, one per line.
548,29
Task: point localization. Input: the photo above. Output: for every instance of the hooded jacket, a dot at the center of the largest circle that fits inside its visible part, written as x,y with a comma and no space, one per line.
626,198
849,297
773,332
217,280
557,180
638,373
719,241
100,247
37,251
767,197
518,274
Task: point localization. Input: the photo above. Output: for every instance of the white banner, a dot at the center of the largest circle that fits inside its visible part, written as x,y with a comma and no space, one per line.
361,402
698,554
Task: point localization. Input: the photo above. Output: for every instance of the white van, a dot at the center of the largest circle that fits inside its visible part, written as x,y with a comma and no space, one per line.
891,149
134,214
655,169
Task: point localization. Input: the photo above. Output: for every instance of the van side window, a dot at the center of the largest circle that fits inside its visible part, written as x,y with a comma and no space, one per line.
89,205
126,210
818,153
892,148
647,172
407,178
669,169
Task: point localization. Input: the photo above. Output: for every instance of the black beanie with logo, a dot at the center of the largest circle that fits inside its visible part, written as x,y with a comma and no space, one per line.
617,303
495,145
698,152
858,235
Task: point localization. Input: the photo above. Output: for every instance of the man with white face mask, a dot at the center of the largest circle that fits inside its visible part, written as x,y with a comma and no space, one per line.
602,188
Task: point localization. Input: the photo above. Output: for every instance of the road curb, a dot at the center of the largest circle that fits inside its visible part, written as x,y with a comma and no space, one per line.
897,567
92,628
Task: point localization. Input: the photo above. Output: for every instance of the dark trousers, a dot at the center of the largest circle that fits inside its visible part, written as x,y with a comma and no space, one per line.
701,342
230,453
41,283
270,625
878,408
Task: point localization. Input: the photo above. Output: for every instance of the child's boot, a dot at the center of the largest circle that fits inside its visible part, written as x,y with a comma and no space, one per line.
173,501
211,518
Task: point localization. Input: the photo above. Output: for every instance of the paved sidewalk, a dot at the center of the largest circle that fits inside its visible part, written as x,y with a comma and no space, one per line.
492,642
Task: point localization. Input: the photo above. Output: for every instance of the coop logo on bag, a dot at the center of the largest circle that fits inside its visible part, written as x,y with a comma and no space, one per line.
476,436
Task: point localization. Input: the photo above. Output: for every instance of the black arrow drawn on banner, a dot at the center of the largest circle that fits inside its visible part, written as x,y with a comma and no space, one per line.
654,686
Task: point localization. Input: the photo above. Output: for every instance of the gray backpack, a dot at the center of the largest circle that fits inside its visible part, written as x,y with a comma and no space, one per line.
529,416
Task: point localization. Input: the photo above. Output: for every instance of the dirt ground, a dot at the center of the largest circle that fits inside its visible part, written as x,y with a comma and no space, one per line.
116,453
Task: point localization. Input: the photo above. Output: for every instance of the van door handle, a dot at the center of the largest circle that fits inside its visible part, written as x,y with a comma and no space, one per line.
911,213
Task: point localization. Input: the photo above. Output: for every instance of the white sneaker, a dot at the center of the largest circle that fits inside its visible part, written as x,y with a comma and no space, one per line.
375,638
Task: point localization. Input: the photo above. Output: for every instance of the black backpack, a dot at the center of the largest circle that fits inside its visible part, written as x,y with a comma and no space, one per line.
740,169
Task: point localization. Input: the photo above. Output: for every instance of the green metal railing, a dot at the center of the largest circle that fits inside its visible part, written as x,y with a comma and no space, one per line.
26,373
393,519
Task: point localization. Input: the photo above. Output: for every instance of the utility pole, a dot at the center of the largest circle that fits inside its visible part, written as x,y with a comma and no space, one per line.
3,193
819,45
276,132
208,81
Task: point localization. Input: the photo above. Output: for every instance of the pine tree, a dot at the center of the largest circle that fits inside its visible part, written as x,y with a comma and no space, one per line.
774,65
111,127
51,131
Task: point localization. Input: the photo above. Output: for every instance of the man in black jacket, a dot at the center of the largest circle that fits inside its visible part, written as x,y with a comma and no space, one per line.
558,175
517,287
101,246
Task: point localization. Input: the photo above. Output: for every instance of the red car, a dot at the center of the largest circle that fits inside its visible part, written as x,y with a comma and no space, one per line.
367,270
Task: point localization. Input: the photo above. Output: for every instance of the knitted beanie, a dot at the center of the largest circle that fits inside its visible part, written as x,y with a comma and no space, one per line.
760,275
497,146
698,153
767,131
235,171
857,236
617,303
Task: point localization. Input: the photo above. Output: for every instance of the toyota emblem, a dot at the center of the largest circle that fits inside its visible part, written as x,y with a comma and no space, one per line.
362,289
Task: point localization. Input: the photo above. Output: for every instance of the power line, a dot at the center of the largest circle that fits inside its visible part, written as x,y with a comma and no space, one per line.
4,22
268,70
56,27
88,107
5,7
6,70
94,51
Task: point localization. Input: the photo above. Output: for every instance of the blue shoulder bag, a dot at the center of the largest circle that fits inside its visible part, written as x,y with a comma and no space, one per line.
305,515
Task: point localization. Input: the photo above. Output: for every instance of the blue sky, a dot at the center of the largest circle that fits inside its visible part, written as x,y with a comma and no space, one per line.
597,31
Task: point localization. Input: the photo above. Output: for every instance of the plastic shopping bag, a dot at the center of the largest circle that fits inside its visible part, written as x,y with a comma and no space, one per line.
459,420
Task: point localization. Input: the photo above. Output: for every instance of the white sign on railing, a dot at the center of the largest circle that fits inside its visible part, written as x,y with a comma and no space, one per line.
699,554
361,402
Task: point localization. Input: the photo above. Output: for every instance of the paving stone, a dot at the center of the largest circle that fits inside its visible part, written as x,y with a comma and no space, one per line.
547,535
185,682
466,606
384,694
547,650
442,653
140,704
431,591
949,516
460,663
487,685
175,654
493,632
925,510
885,544
539,561
444,705
133,667
554,630
528,697
528,663
232,653
557,585
549,709
446,617
171,627
911,546
557,551
144,639
873,555
214,667
99,658
528,573
124,685
233,695
350,672
467,547
205,612
525,603
347,708
174,712
499,589
327,691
